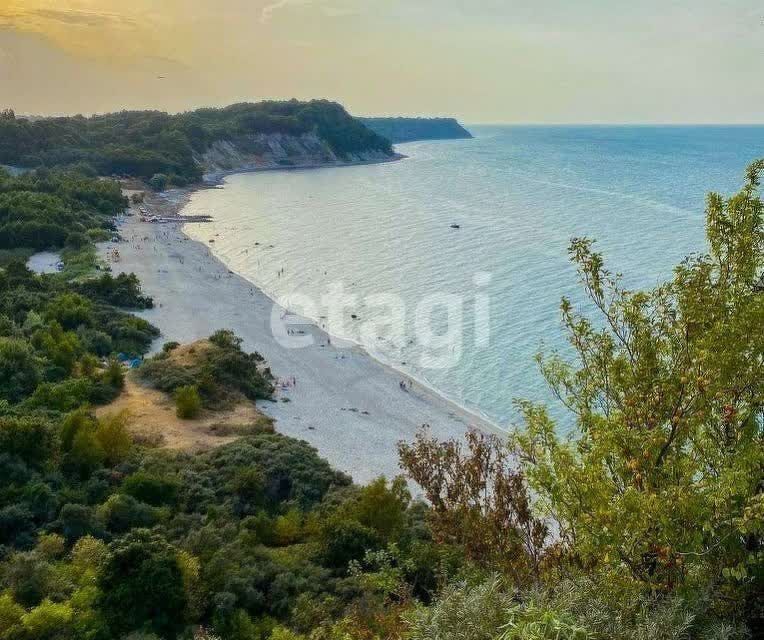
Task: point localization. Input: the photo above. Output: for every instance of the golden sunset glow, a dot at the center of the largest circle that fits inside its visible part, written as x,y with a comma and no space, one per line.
484,62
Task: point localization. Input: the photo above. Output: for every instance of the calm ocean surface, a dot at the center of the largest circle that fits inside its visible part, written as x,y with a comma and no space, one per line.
519,194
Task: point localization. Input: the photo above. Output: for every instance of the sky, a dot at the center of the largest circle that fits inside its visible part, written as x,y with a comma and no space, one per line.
486,61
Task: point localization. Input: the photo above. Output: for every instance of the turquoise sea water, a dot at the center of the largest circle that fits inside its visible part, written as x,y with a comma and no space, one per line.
518,194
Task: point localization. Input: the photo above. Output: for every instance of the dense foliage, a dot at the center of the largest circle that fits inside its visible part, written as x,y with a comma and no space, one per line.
42,210
164,148
247,539
218,370
103,537
55,344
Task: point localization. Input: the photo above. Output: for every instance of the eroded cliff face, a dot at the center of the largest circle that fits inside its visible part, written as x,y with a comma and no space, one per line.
277,151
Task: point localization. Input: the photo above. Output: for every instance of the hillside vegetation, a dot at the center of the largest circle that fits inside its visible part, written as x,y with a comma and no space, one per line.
218,368
645,523
165,147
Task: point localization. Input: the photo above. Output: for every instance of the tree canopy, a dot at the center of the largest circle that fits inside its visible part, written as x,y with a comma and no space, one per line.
165,147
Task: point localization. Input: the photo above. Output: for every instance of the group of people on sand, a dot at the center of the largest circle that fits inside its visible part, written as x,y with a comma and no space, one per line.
405,385
286,383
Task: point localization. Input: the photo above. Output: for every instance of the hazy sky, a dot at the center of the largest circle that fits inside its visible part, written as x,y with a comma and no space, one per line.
482,61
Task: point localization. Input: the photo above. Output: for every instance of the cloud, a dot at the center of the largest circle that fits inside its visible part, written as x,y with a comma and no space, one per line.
330,11
83,18
267,13
339,12
39,18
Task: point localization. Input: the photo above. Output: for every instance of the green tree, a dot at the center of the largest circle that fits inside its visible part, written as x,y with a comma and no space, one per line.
158,182
86,454
345,540
142,586
188,403
114,438
383,507
121,513
29,438
70,310
151,489
61,347
10,617
49,620
114,375
662,485
19,370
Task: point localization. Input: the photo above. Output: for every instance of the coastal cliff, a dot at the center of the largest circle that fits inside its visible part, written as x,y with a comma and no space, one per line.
398,130
280,151
177,149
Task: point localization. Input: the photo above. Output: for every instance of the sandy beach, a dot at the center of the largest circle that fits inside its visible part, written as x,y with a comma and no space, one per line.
345,403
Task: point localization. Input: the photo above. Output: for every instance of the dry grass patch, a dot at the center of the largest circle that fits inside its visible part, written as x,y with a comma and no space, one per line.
153,420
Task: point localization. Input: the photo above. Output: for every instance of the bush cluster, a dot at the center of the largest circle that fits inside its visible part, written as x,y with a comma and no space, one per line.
218,370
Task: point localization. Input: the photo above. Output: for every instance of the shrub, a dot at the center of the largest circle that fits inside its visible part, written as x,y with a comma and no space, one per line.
88,556
76,521
165,375
383,508
10,616
120,513
51,546
63,396
288,527
16,526
19,370
28,575
86,454
123,290
188,404
113,436
468,613
114,375
151,489
72,424
142,586
497,528
29,438
158,182
70,310
49,620
95,341
345,540
219,369
77,240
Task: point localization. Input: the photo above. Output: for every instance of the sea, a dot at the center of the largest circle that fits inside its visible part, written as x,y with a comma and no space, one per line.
450,264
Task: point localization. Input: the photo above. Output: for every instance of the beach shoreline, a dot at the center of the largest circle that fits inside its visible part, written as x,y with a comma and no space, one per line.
215,178
346,403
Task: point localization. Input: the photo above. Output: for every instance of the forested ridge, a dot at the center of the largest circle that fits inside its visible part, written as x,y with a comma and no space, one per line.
399,130
148,143
646,522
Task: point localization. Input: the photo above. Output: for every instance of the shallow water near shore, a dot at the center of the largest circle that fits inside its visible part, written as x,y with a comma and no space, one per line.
517,194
